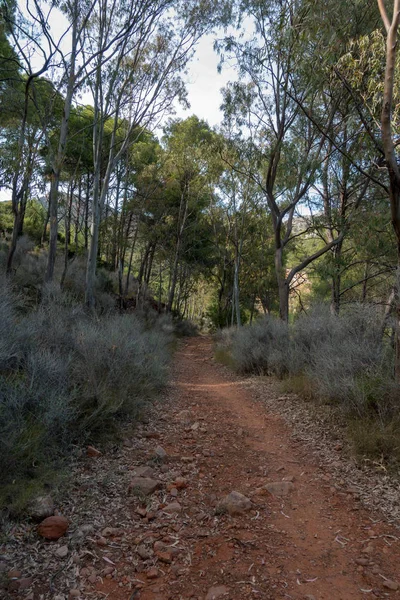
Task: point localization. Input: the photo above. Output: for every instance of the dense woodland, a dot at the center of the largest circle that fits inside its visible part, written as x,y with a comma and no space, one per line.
115,206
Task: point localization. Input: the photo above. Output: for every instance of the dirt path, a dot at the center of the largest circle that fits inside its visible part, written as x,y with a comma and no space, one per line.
311,543
316,542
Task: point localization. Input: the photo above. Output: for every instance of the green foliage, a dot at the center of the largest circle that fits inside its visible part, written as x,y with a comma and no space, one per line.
6,217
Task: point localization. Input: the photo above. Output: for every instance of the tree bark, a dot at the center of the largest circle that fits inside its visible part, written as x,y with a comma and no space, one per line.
390,151
59,158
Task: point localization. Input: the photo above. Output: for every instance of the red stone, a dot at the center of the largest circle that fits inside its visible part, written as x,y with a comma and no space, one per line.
93,452
53,528
165,557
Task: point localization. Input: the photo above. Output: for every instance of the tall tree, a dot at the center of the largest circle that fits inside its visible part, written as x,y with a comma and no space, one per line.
389,145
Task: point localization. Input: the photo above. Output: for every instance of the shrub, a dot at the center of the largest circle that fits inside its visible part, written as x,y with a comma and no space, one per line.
374,440
8,343
119,366
341,359
186,328
333,351
67,376
260,348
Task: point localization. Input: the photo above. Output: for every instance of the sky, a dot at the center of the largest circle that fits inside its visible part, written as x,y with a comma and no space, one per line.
204,83
203,80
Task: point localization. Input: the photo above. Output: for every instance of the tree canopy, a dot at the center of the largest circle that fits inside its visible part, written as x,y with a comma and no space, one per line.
287,202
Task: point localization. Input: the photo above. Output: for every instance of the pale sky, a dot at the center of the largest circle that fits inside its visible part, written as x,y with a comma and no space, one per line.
203,80
205,83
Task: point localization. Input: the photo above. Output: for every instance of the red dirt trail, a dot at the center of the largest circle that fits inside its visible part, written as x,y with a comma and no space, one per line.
314,543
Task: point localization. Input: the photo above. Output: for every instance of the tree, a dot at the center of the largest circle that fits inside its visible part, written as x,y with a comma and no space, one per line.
389,146
30,100
190,171
142,81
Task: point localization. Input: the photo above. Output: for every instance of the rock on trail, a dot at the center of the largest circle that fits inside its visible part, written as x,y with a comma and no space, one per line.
213,497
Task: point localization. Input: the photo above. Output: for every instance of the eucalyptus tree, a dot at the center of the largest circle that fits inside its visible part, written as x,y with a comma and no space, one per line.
142,79
240,196
29,103
192,169
389,132
287,150
290,104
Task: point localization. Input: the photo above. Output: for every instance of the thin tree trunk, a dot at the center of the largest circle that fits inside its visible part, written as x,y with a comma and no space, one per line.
130,260
59,159
150,264
184,202
390,150
67,236
78,214
86,223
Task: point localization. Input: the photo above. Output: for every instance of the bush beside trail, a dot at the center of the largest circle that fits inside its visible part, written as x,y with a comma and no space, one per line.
67,378
343,360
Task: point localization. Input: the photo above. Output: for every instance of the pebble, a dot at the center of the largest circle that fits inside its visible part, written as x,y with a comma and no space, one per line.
53,528
93,452
173,507
279,488
158,545
144,485
217,592
144,471
160,453
152,573
61,552
375,570
101,541
235,503
41,507
180,483
165,557
391,585
14,574
144,552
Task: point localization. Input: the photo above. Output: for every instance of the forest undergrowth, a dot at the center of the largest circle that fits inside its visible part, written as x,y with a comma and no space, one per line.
345,360
68,376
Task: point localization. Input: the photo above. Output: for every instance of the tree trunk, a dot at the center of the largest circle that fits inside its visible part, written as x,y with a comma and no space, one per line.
67,236
283,286
336,283
59,159
46,224
130,260
19,202
174,277
150,264
93,247
86,221
182,209
390,150
78,214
